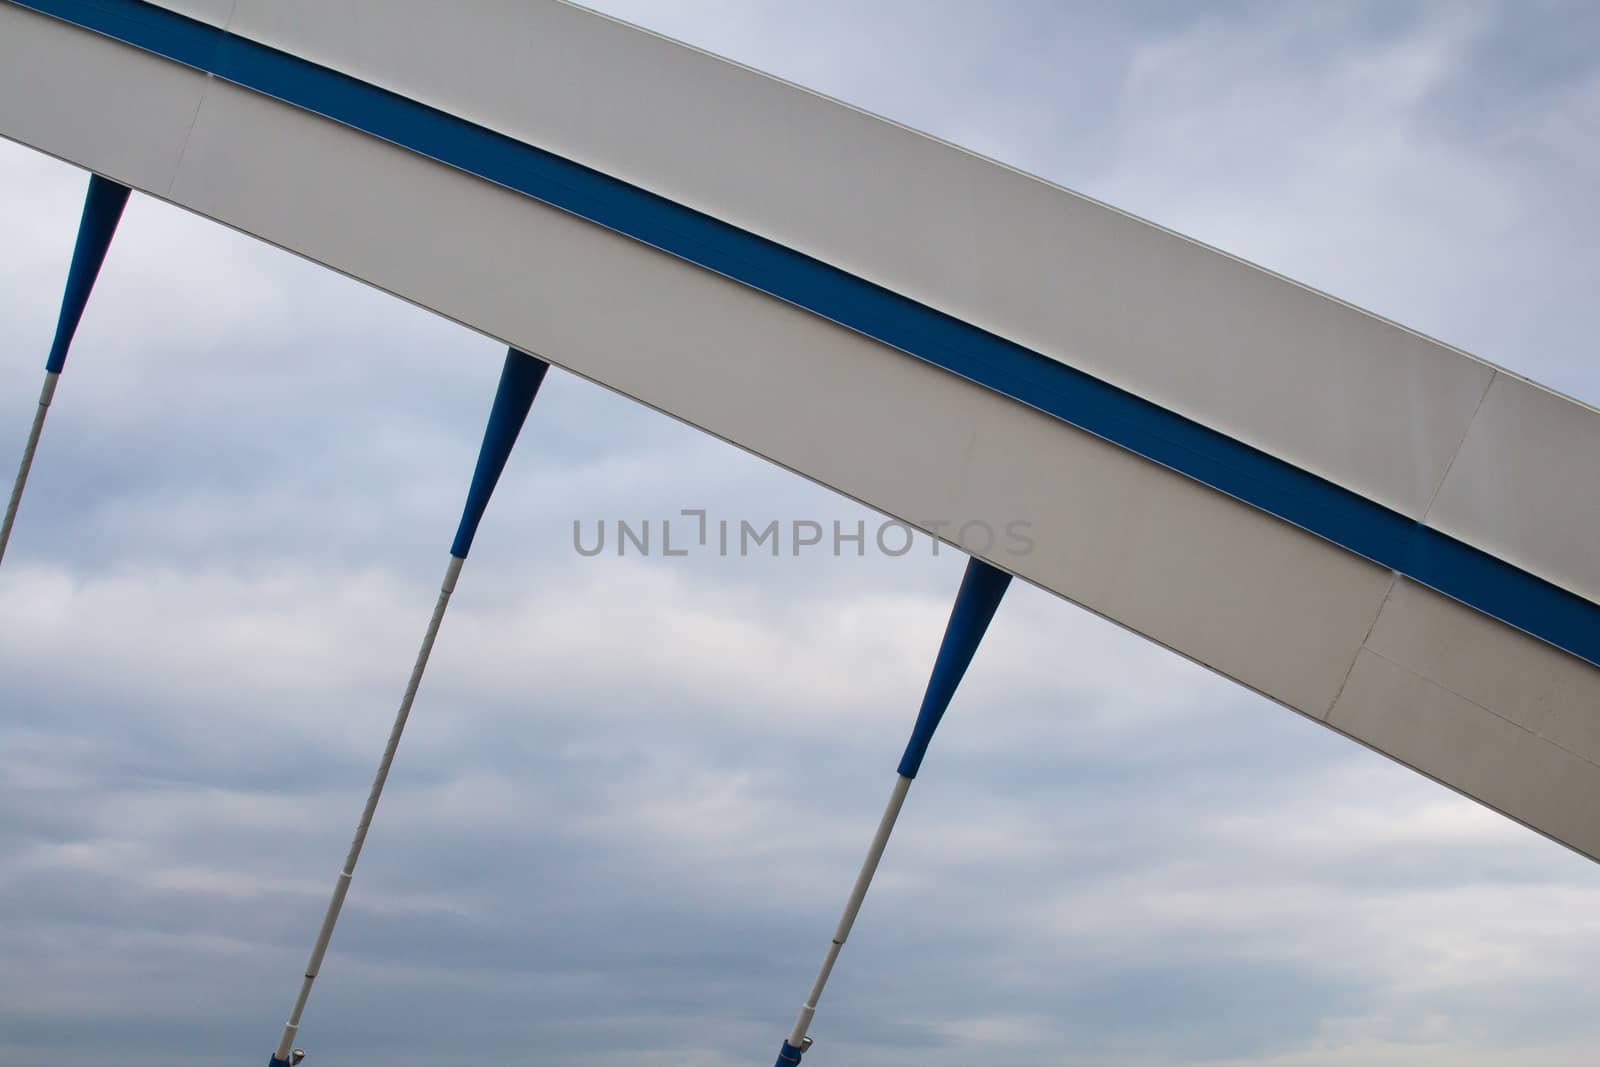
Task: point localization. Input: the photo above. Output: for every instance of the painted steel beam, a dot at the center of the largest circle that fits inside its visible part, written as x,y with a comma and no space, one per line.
1370,527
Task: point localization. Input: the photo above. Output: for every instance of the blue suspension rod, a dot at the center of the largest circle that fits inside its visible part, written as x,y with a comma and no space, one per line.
519,383
520,379
102,208
982,588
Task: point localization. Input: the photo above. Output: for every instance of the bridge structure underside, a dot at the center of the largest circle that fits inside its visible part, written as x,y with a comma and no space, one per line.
1375,530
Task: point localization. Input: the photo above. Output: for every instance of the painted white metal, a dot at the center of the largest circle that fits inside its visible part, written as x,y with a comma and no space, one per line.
1314,381
46,394
1112,531
1474,749
1498,715
130,118
1525,484
211,12
852,906
1277,609
319,948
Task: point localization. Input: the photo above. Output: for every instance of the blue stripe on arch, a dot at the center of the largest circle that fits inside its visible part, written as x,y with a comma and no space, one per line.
1363,526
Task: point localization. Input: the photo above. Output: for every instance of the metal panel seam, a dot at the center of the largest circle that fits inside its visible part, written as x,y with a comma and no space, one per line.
1481,707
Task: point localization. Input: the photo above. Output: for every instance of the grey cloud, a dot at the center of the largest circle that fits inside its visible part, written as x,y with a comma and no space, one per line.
636,790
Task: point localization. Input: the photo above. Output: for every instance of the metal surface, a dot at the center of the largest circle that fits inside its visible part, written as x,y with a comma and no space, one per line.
21,481
1370,408
852,908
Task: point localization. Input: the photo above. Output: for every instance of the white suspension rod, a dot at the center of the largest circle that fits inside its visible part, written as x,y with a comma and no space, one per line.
45,396
342,886
852,906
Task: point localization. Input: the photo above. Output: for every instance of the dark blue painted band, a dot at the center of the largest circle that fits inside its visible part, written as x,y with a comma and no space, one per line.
519,383
982,586
788,1055
1330,511
102,208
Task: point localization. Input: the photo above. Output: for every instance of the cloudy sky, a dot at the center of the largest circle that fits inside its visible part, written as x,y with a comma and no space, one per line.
635,791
